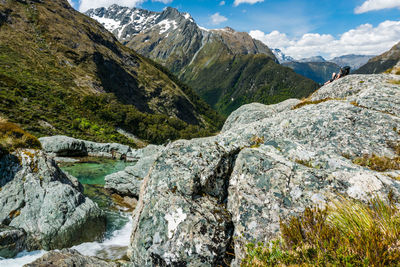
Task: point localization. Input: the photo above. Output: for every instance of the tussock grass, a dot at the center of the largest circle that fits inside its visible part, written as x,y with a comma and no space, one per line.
13,137
349,233
308,101
393,71
394,82
378,163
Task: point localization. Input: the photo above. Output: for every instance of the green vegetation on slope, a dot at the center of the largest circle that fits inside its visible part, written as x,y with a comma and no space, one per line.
61,73
351,233
228,81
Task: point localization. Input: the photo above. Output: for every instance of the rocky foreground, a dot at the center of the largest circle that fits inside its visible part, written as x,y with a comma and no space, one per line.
203,196
41,207
204,199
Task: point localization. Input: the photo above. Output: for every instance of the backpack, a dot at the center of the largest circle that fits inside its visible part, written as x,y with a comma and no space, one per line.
345,70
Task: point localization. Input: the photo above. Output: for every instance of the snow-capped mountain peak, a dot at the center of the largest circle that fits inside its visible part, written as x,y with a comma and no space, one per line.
126,22
282,58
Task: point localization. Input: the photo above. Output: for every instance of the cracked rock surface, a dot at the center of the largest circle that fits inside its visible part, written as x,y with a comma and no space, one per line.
48,205
202,197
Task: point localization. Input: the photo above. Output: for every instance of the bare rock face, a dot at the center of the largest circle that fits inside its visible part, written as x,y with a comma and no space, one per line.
203,197
48,205
69,258
64,146
129,181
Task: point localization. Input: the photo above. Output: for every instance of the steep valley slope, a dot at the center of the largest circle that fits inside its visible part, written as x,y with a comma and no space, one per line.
227,68
383,62
63,73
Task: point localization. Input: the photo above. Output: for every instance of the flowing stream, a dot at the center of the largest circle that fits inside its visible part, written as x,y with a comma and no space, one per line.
91,173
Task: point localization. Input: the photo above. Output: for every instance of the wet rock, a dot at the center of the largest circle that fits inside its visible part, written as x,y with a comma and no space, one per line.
49,205
12,241
69,258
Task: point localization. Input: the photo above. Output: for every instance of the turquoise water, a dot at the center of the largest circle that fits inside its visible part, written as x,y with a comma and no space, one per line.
92,171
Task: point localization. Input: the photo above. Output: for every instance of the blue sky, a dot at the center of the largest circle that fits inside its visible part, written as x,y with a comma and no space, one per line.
291,18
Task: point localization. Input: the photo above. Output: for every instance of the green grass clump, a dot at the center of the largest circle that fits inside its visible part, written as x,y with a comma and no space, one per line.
378,163
13,137
350,233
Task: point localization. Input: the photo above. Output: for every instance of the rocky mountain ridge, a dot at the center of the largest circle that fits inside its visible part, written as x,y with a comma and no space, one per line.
174,40
354,61
133,26
383,62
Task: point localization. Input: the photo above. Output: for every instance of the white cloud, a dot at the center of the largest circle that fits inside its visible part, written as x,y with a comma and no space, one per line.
251,2
365,39
84,5
217,18
222,3
371,5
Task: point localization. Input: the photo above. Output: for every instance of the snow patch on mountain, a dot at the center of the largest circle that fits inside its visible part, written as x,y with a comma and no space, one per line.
167,24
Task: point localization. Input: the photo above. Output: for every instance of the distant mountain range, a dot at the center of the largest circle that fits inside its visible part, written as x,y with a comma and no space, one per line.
319,69
227,68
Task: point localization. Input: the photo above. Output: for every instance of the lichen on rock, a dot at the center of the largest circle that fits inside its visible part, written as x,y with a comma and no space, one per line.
201,197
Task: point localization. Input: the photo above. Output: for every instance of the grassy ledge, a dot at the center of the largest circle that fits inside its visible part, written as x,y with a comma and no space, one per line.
308,101
350,233
13,137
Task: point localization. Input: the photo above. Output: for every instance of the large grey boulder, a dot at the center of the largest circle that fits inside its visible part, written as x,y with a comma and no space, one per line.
129,181
69,258
64,146
250,113
37,196
203,196
12,241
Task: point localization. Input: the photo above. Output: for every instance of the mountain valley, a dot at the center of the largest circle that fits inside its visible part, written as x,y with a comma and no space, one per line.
174,40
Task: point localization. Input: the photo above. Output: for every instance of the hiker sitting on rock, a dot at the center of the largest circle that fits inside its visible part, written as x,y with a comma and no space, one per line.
343,72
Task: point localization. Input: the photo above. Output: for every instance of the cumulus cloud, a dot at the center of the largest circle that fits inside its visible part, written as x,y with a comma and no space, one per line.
365,39
84,5
371,5
238,2
222,3
217,18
